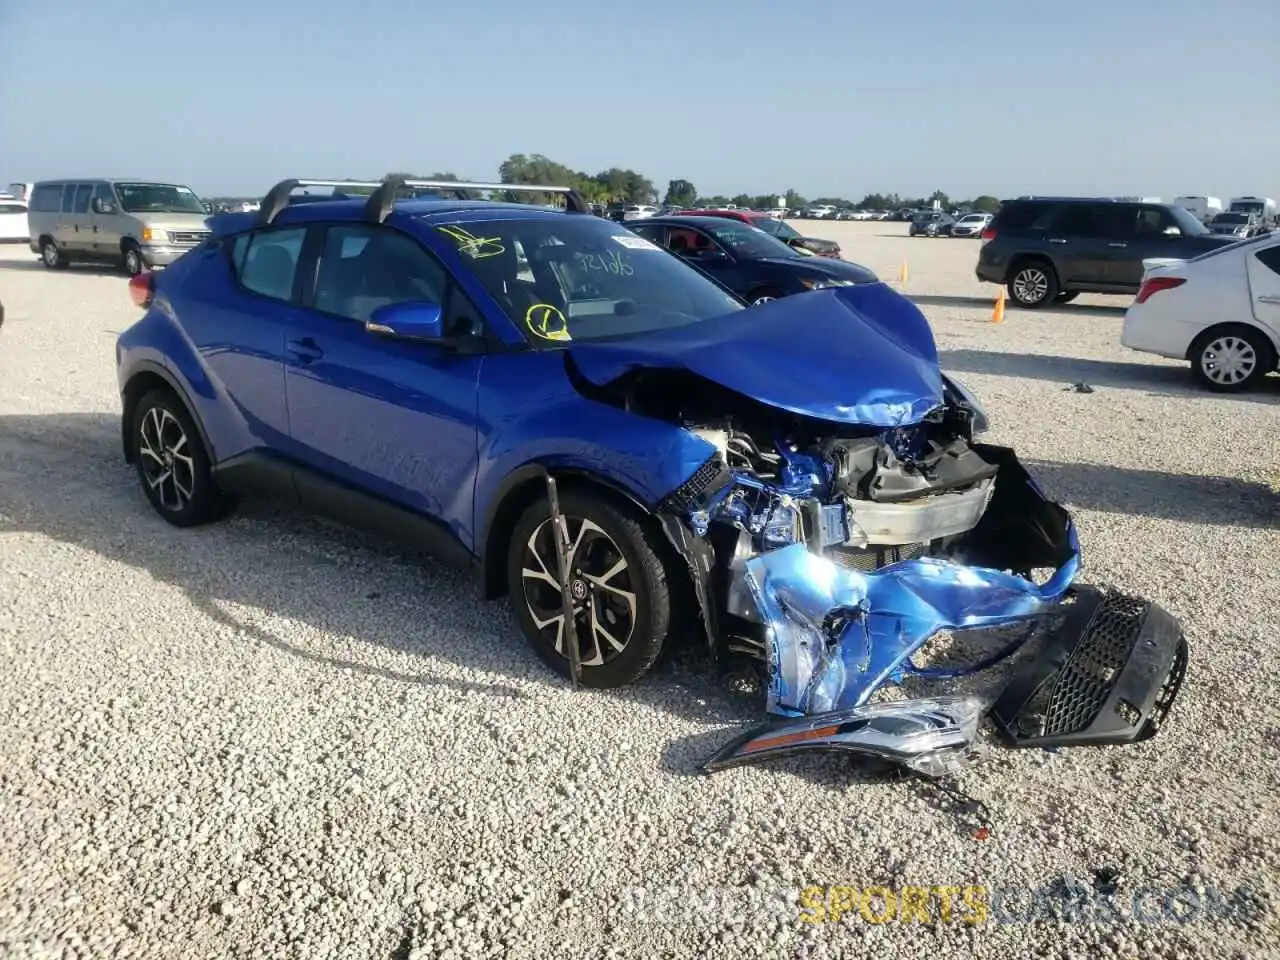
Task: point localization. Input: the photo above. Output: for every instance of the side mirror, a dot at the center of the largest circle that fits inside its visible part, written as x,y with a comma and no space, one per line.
414,320
103,206
710,255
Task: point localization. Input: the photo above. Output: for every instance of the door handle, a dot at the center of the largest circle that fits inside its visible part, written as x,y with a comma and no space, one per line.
1117,243
1269,299
305,349
1056,240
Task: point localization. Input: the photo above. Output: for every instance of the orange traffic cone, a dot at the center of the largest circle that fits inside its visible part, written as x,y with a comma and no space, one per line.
997,315
903,273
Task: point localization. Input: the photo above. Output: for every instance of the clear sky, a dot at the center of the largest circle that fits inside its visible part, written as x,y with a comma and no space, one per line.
751,96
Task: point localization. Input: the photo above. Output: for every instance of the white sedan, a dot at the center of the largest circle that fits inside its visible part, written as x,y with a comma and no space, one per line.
1220,311
13,220
971,225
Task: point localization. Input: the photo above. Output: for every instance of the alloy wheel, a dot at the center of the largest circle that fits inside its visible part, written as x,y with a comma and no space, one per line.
167,465
1228,360
1031,285
600,586
132,262
50,255
759,300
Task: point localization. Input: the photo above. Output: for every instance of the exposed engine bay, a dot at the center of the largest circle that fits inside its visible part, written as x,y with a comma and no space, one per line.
831,553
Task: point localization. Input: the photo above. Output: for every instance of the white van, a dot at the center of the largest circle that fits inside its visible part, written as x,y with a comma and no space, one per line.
1202,208
136,223
1262,207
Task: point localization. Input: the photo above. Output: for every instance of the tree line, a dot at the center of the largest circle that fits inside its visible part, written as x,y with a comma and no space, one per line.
621,185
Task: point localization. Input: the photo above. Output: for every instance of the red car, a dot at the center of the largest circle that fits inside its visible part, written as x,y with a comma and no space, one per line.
773,227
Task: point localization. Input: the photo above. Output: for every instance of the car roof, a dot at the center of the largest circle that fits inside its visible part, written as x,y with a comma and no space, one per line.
684,220
726,214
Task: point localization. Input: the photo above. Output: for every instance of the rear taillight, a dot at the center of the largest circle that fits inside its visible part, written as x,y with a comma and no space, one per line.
142,288
1154,285
989,233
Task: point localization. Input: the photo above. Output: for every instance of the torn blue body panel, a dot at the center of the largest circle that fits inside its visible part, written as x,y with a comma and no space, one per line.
836,634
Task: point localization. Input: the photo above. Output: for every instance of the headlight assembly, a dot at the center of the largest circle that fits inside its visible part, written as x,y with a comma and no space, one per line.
966,398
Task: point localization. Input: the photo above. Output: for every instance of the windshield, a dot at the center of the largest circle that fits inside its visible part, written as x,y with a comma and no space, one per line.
1187,223
1247,206
1231,218
776,228
568,278
748,242
158,198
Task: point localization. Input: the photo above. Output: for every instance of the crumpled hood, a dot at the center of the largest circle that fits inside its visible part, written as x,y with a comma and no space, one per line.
860,355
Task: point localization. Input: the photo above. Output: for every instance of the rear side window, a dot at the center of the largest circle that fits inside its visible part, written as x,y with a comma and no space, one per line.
81,203
1079,220
47,198
1022,216
1270,258
266,261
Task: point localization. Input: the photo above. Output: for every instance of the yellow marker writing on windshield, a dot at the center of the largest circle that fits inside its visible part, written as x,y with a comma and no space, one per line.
477,248
547,322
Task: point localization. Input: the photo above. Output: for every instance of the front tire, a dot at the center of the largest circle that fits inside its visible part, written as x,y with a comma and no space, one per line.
617,579
758,297
131,260
172,463
1231,359
1033,284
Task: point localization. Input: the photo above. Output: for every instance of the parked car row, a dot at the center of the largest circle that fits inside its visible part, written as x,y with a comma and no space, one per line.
13,220
939,224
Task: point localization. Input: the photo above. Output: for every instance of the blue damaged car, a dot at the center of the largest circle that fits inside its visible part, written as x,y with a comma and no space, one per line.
629,451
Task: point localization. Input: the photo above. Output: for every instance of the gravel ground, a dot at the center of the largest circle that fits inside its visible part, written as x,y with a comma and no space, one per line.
275,737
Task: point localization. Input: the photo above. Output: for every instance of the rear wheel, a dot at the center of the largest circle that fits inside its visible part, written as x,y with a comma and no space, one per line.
51,256
1033,284
1231,359
622,606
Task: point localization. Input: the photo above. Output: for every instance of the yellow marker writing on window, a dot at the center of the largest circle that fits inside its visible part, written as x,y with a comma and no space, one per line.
477,248
547,322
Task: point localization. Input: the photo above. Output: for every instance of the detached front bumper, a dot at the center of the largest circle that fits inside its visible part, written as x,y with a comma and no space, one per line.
1108,672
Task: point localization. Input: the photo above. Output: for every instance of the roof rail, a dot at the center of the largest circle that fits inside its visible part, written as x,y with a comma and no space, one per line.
277,197
383,200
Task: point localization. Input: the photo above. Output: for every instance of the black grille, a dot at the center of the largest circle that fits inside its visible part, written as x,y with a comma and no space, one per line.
708,476
873,558
1089,675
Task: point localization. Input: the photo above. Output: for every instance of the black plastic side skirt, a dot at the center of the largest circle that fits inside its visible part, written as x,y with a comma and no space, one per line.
287,482
1108,675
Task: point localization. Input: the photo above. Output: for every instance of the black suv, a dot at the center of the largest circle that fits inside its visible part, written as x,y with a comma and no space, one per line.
1049,250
